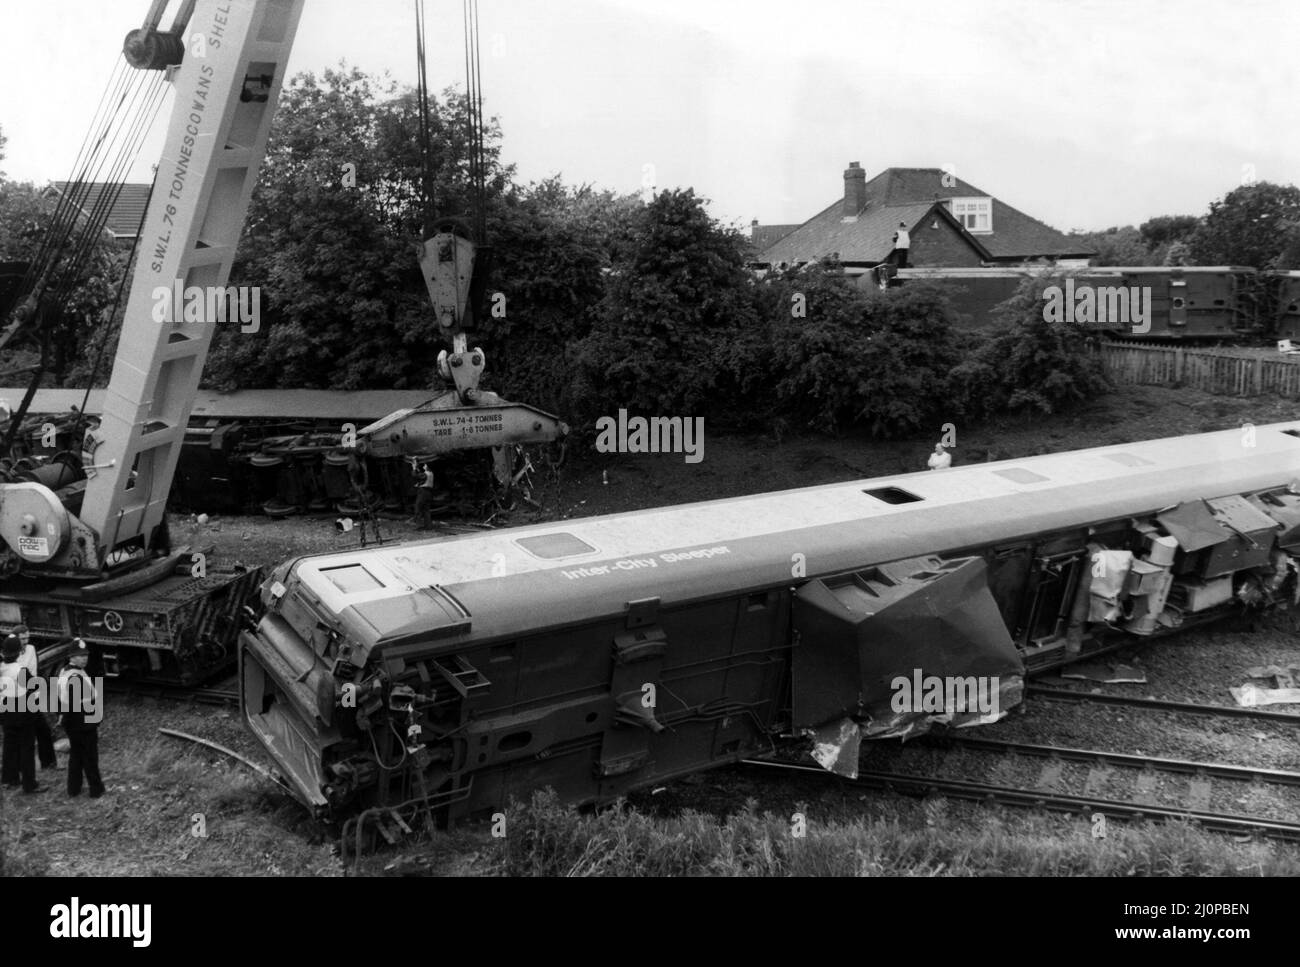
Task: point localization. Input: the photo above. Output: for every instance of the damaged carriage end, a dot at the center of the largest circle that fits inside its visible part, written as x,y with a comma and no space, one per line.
932,630
283,700
891,651
349,718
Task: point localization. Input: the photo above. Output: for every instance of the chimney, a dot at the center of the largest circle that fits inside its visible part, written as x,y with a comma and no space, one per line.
855,189
753,229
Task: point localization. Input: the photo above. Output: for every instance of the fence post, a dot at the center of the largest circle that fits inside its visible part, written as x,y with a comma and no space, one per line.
1178,365
1258,381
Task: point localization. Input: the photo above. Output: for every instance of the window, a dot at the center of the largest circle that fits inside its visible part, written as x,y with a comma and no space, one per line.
892,495
551,547
351,578
975,214
1020,475
1128,460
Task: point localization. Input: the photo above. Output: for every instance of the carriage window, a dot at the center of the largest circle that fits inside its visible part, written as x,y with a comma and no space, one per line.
550,547
893,495
351,578
1020,475
1127,460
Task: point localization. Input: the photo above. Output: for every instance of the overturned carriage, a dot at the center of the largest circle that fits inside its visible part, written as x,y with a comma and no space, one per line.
597,656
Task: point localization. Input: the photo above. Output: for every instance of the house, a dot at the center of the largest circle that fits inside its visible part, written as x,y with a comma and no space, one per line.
951,224
126,210
762,237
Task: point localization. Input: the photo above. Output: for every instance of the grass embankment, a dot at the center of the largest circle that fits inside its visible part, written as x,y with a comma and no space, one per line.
172,809
544,838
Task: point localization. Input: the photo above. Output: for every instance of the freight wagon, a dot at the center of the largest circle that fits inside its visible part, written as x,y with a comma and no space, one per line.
1192,303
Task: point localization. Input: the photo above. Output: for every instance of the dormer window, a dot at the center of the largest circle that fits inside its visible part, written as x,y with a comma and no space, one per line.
975,214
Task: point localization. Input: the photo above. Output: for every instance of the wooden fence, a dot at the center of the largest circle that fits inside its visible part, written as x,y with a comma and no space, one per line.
1205,369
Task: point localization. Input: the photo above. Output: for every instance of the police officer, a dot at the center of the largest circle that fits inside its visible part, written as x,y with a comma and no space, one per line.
44,734
18,761
80,706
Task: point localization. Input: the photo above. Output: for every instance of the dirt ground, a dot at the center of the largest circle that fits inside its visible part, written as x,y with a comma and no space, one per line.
177,808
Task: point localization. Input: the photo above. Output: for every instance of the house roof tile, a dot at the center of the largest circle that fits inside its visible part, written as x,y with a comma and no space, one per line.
907,195
128,207
765,236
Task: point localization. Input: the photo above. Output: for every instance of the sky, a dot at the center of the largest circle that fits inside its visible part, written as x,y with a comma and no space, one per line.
1083,114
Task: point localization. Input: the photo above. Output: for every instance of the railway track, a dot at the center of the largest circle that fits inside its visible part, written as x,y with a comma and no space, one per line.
174,693
1054,694
1102,768
1106,760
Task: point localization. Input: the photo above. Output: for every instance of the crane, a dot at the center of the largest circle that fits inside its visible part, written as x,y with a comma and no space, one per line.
84,548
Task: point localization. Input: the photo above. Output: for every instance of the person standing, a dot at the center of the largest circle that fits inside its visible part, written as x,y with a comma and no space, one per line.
424,492
18,760
79,703
44,734
940,459
902,242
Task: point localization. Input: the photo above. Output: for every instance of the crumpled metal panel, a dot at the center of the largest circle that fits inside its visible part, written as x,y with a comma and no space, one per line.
1193,524
836,745
890,648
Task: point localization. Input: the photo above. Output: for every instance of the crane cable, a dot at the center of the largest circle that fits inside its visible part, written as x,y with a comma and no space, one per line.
133,135
107,332
474,129
122,120
422,106
474,112
83,210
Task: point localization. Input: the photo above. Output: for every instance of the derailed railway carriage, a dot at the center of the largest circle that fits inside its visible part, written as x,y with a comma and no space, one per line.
597,656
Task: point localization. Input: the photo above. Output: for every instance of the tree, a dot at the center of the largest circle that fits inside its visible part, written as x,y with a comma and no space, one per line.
1178,253
1115,246
1288,259
828,354
677,291
75,312
880,361
1248,226
1166,229
332,232
332,237
797,367
1028,363
552,249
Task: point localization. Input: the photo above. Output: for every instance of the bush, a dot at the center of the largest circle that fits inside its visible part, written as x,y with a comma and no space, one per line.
549,255
858,357
675,297
1028,363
